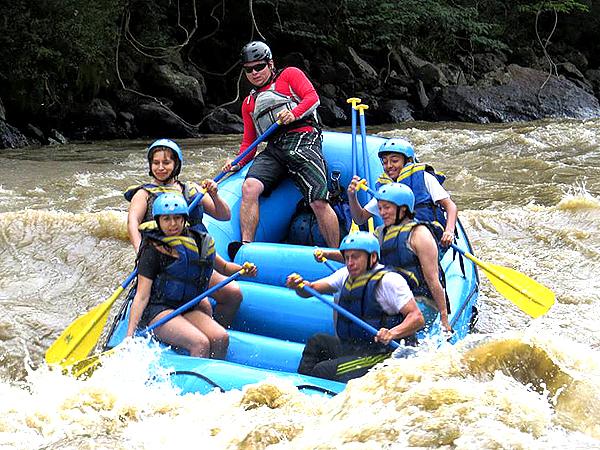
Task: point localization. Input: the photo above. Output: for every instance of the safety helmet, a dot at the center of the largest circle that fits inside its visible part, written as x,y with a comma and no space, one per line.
255,51
304,230
361,240
172,145
397,193
397,145
169,203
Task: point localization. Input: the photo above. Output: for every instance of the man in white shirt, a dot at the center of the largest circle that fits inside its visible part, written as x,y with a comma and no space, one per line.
369,291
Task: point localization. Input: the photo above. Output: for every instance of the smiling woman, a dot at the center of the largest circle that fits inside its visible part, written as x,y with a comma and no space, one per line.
165,161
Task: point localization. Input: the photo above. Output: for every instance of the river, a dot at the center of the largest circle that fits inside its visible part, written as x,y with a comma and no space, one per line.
529,197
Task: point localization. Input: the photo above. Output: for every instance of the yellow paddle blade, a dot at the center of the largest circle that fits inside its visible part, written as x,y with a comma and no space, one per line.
528,295
88,365
79,338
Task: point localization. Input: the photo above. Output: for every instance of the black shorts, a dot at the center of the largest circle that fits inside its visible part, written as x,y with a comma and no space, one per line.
299,155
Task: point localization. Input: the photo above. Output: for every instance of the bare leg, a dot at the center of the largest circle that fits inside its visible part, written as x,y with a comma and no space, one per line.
228,300
328,222
249,212
180,332
205,307
216,334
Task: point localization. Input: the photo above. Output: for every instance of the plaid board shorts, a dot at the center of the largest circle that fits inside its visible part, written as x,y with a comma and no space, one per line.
299,155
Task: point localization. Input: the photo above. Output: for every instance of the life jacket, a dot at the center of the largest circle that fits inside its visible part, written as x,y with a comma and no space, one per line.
268,103
190,191
188,276
413,176
358,297
397,256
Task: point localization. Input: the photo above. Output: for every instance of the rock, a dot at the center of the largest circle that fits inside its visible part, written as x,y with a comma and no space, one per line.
566,53
488,62
397,87
423,98
365,70
593,77
518,98
328,90
338,74
57,136
10,137
294,59
126,124
526,57
407,60
431,75
157,121
395,111
184,90
34,132
2,111
221,121
569,70
97,121
453,73
192,70
126,116
330,113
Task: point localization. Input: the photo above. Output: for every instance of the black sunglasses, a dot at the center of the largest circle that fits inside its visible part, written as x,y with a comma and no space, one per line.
255,68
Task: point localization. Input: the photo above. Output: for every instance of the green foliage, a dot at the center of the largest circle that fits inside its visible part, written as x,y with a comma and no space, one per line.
560,6
437,26
56,50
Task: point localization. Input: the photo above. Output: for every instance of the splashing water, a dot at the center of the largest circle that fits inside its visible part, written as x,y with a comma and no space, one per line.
529,199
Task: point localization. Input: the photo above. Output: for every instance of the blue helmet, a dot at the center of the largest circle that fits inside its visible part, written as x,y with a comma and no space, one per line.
397,145
172,145
169,203
397,193
361,240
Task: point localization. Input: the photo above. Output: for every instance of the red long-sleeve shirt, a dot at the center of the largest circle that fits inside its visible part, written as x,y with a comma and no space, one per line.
291,82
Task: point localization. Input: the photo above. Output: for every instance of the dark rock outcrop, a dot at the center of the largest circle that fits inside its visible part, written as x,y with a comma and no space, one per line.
221,121
525,94
157,121
10,137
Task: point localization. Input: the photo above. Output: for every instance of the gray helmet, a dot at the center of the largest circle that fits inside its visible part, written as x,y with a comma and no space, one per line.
255,51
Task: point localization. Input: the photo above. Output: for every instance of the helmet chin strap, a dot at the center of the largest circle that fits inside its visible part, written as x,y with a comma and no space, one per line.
398,218
369,265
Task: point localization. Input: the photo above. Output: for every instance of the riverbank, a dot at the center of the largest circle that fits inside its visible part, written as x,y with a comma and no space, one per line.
399,87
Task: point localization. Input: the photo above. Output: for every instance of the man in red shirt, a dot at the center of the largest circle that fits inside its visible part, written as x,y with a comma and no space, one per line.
294,149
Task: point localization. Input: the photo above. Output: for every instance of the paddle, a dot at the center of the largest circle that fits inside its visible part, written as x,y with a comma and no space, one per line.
348,315
528,295
354,101
79,338
363,133
87,364
242,155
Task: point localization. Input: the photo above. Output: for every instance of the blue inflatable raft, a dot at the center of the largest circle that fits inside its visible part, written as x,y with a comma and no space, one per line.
273,323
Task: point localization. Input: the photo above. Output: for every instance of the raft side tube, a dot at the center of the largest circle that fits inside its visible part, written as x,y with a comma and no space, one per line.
279,312
276,261
200,375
